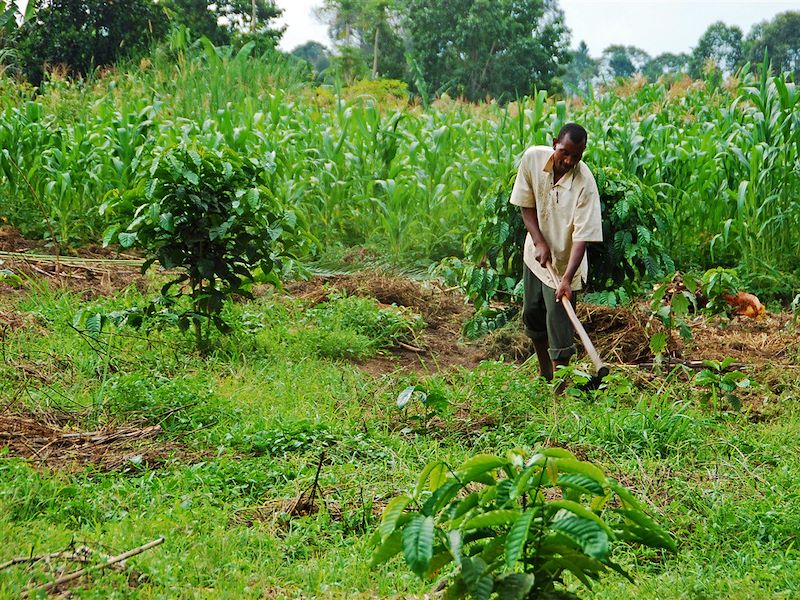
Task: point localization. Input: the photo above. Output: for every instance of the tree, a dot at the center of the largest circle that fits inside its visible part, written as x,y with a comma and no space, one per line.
666,64
366,31
198,18
479,48
83,34
315,54
581,69
781,40
220,21
623,61
721,44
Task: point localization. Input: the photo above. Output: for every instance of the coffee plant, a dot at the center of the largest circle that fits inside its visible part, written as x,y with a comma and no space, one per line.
205,215
514,525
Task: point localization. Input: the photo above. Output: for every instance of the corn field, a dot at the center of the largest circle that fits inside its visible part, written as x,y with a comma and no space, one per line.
723,161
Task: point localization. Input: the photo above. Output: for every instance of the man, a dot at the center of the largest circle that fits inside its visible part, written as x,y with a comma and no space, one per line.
561,211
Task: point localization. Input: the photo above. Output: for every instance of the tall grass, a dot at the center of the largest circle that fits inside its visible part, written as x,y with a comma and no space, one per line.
723,160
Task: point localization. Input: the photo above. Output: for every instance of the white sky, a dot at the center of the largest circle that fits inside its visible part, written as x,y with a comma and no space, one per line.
655,26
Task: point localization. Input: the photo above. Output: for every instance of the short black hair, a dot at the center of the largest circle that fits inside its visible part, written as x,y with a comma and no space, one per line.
575,132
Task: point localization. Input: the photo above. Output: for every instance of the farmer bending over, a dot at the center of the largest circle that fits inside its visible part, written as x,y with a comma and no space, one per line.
561,211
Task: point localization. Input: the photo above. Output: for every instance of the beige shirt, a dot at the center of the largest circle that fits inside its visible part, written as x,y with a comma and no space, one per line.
568,211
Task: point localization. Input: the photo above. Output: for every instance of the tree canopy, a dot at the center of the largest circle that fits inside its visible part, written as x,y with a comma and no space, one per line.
581,70
721,44
780,37
479,48
83,34
623,61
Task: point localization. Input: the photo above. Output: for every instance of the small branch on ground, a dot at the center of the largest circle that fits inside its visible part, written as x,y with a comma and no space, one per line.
110,563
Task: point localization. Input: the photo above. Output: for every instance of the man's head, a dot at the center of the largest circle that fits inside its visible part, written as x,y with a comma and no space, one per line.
568,147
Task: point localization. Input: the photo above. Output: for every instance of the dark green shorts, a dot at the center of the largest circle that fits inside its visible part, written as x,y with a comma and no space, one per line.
546,319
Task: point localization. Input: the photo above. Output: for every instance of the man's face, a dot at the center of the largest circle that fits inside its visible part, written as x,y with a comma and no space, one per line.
567,154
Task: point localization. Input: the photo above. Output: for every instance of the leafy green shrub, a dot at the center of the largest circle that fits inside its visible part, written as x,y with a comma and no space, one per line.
671,302
205,213
632,251
717,282
498,521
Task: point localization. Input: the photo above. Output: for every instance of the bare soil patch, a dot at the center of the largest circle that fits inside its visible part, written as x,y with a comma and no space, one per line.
54,442
769,339
91,270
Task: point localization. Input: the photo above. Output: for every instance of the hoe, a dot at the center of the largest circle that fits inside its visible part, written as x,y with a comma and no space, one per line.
600,367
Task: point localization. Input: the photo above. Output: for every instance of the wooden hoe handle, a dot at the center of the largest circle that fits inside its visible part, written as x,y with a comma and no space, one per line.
599,365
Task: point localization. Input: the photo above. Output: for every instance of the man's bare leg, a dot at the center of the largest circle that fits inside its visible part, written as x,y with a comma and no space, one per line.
545,364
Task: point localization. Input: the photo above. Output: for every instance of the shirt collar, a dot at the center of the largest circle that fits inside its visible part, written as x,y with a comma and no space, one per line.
566,180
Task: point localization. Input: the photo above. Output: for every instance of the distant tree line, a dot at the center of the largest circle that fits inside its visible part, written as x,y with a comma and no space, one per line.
504,48
467,48
722,49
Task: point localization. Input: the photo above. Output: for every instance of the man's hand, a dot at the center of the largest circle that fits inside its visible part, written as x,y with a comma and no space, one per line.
541,252
563,290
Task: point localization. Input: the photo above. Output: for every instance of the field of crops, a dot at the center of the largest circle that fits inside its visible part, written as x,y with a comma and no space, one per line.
722,160
280,454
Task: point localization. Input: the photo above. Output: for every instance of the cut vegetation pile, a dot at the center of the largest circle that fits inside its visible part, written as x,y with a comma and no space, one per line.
59,446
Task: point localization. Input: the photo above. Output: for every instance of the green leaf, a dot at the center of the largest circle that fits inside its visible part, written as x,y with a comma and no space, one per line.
571,465
109,234
581,483
127,239
94,323
587,534
418,544
648,531
658,342
190,176
479,584
478,465
440,498
493,518
514,586
391,513
405,396
425,476
581,511
680,305
389,547
517,537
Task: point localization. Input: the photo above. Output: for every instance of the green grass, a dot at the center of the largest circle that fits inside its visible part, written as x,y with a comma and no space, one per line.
257,413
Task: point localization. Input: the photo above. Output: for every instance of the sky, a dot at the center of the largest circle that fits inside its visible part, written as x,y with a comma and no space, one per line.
655,26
